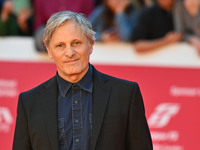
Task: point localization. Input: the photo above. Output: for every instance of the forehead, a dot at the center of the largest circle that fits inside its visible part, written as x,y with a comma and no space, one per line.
68,27
69,30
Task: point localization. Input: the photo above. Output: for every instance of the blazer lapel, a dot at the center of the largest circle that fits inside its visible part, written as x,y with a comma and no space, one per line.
49,108
101,92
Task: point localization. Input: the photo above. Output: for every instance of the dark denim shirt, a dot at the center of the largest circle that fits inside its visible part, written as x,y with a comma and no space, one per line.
75,113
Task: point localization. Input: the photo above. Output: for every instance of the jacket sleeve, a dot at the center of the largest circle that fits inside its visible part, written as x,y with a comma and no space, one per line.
138,134
21,137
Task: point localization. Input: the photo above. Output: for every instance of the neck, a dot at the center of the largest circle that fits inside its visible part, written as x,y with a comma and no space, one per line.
73,78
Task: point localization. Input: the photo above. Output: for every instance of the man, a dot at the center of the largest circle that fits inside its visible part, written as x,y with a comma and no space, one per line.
79,108
155,27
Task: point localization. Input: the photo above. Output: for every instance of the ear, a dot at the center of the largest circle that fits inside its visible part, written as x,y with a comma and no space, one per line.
49,52
90,47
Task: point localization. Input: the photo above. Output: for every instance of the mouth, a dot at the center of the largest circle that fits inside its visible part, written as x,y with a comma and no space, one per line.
71,61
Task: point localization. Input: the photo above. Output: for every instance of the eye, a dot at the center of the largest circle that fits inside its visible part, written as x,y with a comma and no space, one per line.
76,43
59,45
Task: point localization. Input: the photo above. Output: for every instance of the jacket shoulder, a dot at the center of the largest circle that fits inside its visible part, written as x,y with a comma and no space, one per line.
115,81
36,90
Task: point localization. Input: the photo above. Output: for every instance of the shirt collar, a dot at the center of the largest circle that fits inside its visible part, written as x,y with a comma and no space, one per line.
86,83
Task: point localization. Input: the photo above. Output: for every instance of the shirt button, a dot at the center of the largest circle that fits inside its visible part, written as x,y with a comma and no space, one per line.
76,102
76,121
77,140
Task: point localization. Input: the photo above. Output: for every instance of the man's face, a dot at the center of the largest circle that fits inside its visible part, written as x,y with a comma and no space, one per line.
70,50
166,4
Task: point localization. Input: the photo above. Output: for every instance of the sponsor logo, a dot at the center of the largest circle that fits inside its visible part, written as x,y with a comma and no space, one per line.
6,119
162,114
167,147
185,91
170,136
161,117
8,88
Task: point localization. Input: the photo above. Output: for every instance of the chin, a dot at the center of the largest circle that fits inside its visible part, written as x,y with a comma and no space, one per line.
74,70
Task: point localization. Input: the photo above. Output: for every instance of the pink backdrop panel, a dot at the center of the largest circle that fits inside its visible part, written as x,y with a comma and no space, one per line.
171,98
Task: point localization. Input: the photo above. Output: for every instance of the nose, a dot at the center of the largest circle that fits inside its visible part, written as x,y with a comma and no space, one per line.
69,51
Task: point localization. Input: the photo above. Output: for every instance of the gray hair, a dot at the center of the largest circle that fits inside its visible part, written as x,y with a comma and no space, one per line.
60,18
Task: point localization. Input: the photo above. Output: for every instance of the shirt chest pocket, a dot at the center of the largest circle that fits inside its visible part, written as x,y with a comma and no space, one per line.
61,131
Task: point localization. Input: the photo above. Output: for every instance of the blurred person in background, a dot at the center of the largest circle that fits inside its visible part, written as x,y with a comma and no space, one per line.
1,4
143,3
155,27
16,18
45,8
98,2
187,21
114,20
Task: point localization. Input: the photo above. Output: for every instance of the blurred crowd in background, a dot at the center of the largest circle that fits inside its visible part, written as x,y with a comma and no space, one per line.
147,24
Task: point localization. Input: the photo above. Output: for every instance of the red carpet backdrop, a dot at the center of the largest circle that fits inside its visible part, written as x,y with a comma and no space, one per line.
171,98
